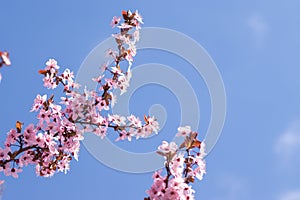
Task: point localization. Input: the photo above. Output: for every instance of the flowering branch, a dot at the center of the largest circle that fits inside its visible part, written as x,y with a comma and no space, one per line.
182,164
54,140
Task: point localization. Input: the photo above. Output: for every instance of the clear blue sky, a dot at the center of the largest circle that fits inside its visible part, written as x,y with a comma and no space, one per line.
255,45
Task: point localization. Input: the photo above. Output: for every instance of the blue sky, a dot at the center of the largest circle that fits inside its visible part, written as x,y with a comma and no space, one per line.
255,45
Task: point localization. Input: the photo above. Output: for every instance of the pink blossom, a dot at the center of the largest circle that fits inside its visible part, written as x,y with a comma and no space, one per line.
101,131
153,124
134,121
51,65
12,136
117,119
38,102
167,148
29,134
123,83
4,154
184,131
49,81
12,172
115,21
44,116
177,165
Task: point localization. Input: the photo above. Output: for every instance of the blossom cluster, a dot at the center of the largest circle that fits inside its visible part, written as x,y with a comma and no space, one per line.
126,41
4,60
182,164
54,140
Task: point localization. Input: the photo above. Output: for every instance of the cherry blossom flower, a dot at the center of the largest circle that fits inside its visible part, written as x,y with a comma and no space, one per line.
134,121
4,154
54,140
182,167
184,131
12,172
51,65
117,119
115,21
38,102
166,148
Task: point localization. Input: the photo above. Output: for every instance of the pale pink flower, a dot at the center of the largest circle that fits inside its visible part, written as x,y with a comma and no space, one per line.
12,136
51,144
157,188
137,20
124,135
38,102
44,116
177,165
29,134
200,171
115,21
56,110
101,131
12,172
167,148
184,131
117,119
153,124
51,65
49,81
64,165
123,83
26,159
134,121
120,39
4,153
